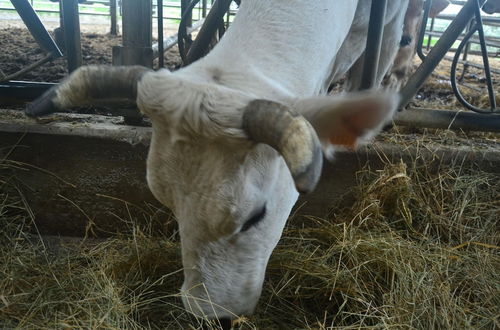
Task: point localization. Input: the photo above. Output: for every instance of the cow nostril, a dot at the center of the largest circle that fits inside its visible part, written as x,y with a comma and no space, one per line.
225,323
222,323
405,40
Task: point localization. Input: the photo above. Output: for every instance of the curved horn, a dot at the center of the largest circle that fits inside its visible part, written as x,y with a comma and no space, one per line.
291,135
89,84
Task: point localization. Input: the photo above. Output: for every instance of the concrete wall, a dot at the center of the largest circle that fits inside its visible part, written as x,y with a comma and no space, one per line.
84,170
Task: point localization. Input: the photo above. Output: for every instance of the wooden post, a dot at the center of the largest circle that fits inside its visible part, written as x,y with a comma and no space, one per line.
137,39
137,34
71,23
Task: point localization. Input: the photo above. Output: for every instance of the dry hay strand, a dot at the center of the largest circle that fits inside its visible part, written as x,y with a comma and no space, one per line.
484,102
419,248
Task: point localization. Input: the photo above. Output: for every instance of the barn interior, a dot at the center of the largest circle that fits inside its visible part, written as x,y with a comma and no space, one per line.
400,233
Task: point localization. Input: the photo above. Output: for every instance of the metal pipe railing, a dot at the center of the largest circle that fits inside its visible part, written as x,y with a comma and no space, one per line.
448,119
373,44
438,51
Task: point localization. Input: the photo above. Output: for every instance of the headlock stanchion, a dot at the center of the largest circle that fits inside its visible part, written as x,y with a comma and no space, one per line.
438,52
448,119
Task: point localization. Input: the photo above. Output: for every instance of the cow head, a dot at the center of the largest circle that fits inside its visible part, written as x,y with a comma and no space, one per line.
230,166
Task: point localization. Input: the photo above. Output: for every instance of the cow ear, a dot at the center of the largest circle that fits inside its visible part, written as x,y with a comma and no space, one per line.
348,120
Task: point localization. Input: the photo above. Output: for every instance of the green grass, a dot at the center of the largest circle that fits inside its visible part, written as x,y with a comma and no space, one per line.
95,9
434,40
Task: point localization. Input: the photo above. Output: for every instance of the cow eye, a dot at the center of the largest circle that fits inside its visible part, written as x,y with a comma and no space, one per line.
254,219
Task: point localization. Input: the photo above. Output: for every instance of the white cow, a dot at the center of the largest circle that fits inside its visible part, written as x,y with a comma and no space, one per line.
238,134
403,62
350,57
492,7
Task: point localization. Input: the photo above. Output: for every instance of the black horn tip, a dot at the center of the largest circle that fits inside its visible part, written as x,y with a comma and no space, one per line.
225,323
42,105
222,323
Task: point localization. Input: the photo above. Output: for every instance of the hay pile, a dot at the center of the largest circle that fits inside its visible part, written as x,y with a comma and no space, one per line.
418,249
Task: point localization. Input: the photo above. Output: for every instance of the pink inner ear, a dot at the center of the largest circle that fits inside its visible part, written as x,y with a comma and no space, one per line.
363,119
346,140
356,124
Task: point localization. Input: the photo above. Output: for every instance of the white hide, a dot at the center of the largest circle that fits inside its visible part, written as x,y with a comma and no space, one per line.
350,57
203,167
403,62
492,7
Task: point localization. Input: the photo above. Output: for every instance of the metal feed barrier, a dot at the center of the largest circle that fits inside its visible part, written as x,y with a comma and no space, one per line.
441,118
475,25
137,49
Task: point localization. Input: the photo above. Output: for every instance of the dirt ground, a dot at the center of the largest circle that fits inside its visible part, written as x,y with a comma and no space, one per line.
19,49
437,93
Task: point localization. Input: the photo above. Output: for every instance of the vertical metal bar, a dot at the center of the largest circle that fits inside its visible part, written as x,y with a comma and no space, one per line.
373,43
72,34
189,17
467,47
59,31
429,38
204,8
112,12
198,11
471,25
484,53
161,58
423,28
438,51
61,22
